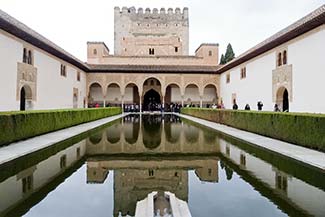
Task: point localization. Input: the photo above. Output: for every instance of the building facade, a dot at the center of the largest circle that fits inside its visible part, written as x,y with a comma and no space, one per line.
151,62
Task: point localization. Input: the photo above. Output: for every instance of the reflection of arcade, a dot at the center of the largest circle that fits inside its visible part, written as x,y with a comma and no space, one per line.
152,134
135,178
137,172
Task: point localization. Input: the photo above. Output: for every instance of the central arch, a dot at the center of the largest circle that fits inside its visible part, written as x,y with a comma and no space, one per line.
152,95
151,100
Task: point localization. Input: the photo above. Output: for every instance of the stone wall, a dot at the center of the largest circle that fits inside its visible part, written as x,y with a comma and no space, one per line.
137,31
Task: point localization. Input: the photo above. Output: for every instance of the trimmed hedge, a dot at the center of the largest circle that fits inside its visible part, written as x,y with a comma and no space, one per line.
20,125
303,129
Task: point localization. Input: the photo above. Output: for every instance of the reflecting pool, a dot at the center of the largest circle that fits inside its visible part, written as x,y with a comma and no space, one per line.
106,171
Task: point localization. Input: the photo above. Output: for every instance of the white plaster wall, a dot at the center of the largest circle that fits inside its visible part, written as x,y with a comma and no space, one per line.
255,87
308,59
11,52
54,90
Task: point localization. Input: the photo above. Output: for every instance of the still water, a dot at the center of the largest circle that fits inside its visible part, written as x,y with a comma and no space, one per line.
105,172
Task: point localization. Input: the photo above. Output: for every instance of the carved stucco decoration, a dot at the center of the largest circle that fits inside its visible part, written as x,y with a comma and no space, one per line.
282,78
26,77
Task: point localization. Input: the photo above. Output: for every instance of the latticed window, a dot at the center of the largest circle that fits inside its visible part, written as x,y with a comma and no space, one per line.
279,59
284,57
151,51
28,56
228,78
78,76
63,70
243,73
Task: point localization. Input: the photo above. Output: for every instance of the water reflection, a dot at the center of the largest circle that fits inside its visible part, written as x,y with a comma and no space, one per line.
139,155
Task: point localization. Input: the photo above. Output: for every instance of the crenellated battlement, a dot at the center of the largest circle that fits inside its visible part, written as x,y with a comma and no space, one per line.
148,31
170,12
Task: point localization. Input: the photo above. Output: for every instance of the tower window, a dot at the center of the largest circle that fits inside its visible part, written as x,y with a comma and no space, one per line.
151,51
95,52
210,52
176,49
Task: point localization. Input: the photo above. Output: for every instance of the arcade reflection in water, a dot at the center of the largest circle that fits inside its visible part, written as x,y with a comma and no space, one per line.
137,169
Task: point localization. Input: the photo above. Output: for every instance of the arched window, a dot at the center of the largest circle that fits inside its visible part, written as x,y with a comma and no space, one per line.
25,56
210,52
279,59
29,58
284,57
95,52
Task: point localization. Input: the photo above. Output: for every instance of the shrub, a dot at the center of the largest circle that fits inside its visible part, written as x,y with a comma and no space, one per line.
303,129
19,125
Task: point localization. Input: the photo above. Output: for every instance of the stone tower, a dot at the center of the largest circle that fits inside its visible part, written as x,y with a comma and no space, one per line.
151,33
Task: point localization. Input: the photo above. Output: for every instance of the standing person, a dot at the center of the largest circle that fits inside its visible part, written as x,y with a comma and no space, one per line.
235,106
276,108
259,105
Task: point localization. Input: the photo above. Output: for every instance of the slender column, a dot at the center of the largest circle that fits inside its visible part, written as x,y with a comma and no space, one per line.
163,103
122,103
104,101
140,104
182,101
201,103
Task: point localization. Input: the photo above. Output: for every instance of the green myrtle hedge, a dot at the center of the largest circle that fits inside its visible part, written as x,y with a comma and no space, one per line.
18,125
303,129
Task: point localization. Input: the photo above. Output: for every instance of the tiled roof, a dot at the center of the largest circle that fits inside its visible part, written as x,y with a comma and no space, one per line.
305,24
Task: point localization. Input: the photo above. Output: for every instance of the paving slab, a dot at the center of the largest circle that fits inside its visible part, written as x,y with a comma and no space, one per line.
299,153
21,148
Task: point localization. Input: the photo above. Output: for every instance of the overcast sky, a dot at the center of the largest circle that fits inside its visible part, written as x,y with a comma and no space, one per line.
243,23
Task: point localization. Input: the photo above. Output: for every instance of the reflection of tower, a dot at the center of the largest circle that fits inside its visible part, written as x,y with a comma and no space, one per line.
208,171
132,185
96,173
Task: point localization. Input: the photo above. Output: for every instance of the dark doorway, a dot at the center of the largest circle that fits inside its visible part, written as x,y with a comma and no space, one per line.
22,99
151,101
285,101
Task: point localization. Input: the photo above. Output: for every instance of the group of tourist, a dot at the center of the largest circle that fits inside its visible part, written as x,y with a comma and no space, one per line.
131,108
